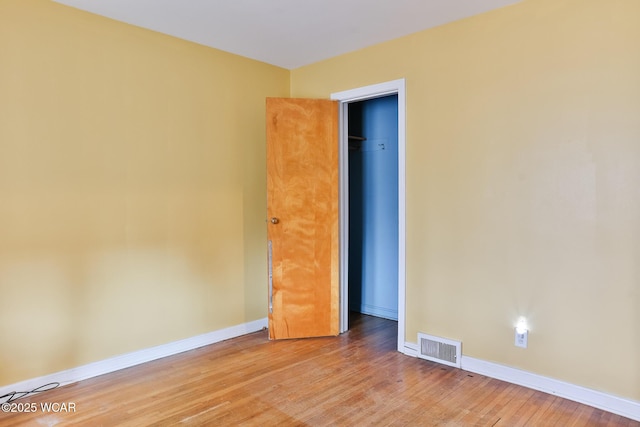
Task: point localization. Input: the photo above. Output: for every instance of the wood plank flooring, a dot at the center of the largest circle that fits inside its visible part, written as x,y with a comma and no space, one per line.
356,379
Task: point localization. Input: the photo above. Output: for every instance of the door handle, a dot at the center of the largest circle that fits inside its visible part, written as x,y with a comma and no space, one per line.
274,220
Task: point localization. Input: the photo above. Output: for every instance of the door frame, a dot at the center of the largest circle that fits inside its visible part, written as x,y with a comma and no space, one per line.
394,87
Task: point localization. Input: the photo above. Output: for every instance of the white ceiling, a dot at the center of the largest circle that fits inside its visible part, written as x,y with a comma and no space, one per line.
287,33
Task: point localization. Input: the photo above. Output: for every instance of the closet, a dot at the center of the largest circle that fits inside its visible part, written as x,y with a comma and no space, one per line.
373,206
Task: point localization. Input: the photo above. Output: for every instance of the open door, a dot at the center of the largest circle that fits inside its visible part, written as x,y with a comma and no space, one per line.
303,217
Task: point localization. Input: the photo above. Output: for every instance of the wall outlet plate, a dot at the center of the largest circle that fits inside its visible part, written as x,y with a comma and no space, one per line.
521,339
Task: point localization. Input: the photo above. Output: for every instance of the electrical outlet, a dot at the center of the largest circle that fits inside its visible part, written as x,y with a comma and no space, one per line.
521,338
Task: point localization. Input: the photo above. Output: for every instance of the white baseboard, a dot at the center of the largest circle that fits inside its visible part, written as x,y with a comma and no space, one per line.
130,359
373,310
410,349
614,404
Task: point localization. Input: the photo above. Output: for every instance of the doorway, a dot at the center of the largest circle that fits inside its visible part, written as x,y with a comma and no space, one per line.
357,99
373,206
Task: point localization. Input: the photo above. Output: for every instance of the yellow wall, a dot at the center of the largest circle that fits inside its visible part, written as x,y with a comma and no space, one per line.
132,188
523,178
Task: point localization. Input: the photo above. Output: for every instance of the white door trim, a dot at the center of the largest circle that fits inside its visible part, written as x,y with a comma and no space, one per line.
345,97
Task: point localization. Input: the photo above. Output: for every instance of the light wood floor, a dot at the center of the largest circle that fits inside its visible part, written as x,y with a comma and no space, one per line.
356,379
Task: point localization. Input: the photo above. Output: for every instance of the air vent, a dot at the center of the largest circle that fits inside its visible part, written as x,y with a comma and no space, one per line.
439,350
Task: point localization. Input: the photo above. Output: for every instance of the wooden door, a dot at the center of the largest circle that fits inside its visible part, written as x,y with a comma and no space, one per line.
302,223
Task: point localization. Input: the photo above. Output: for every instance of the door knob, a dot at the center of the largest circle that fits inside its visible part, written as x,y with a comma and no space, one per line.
274,220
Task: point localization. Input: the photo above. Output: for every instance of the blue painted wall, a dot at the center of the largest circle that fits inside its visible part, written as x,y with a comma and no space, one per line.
373,207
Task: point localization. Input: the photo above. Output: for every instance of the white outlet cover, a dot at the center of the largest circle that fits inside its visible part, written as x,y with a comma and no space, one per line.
521,339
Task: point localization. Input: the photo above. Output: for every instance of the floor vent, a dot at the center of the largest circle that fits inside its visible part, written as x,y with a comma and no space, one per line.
439,350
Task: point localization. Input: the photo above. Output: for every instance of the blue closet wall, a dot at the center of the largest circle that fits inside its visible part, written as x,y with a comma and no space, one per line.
373,207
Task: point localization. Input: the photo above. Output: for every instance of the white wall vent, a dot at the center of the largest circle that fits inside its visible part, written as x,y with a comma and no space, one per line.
439,350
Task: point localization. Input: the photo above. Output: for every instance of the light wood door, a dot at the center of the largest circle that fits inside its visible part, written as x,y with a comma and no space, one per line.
302,223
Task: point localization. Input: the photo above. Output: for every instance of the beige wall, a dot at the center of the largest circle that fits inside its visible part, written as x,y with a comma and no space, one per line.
132,188
523,182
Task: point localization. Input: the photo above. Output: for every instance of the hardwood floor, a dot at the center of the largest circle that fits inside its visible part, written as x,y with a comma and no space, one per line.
356,379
